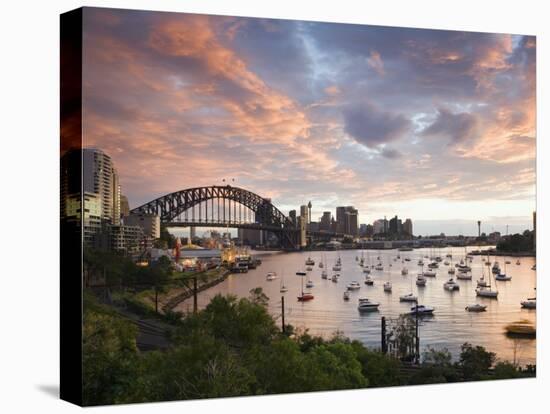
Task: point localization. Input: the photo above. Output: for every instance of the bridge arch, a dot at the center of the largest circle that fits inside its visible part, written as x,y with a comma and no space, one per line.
222,200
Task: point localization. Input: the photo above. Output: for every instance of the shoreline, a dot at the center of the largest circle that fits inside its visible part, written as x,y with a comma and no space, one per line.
174,301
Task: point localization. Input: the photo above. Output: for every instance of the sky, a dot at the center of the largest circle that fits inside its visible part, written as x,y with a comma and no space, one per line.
438,126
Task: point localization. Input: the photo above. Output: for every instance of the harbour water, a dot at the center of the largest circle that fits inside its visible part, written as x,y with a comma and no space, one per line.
450,326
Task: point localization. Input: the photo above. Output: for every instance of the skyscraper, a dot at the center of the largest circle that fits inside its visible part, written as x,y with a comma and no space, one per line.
408,227
324,222
304,213
100,177
347,220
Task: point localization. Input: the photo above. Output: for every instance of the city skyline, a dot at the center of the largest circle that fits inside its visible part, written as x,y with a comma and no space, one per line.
434,125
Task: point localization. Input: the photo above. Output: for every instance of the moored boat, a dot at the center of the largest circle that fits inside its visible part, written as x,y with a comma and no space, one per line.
271,276
476,308
354,285
422,310
366,305
451,285
409,297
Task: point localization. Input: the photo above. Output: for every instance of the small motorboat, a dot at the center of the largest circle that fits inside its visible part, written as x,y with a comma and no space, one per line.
521,328
446,263
369,281
451,285
309,284
310,262
420,262
324,274
451,271
387,287
404,271
336,268
496,268
354,285
421,280
507,262
305,296
271,276
503,277
530,303
409,297
346,295
366,305
379,267
366,270
433,265
518,262
283,289
429,273
464,276
422,310
476,308
486,292
309,268
334,278
321,265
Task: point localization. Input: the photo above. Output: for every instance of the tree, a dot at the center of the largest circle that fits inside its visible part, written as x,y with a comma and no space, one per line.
475,361
110,360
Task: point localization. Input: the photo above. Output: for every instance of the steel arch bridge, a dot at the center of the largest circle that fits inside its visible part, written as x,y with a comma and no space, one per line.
222,206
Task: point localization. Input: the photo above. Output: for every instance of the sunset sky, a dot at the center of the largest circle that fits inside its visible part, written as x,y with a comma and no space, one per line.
438,126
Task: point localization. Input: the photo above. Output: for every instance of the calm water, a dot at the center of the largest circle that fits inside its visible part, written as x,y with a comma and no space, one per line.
450,326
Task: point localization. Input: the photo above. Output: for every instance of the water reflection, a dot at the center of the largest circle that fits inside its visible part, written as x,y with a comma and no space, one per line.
450,326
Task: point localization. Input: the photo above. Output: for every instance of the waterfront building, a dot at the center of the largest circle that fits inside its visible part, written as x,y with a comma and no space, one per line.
304,213
149,223
340,219
325,221
89,222
302,231
347,220
99,176
251,237
124,206
314,226
292,217
378,226
408,227
126,240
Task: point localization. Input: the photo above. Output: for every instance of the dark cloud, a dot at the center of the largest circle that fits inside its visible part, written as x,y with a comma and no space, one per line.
371,126
459,127
391,154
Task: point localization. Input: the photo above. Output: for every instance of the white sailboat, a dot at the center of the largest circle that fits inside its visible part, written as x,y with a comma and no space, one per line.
486,291
283,288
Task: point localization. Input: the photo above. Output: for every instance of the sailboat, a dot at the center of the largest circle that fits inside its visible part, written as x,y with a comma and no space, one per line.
304,296
451,270
486,291
409,297
283,288
503,277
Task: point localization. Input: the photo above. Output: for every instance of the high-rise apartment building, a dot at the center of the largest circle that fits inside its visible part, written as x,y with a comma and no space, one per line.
100,177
